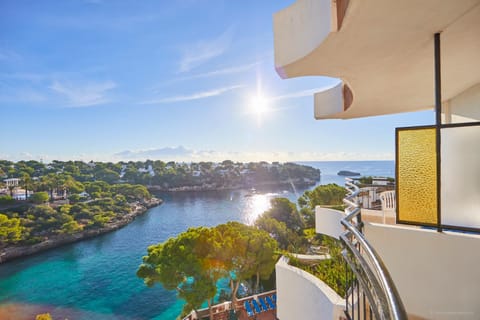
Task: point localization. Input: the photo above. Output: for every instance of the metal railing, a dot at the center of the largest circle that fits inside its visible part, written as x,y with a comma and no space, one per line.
371,293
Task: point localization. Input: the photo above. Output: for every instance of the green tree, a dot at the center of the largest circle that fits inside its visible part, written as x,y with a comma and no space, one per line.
181,264
27,182
287,239
327,195
285,211
39,197
365,180
43,316
6,199
241,249
48,183
100,220
72,186
331,271
71,227
195,260
11,230
107,175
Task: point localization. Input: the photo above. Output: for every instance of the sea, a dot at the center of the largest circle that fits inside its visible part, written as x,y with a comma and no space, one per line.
95,278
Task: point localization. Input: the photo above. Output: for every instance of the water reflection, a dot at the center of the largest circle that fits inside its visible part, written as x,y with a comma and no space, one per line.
256,204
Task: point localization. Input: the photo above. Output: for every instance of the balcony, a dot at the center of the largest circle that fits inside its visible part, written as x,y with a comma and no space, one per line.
393,57
301,295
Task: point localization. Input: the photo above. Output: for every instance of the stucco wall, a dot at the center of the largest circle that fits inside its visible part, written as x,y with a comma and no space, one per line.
299,29
465,107
327,221
436,274
302,296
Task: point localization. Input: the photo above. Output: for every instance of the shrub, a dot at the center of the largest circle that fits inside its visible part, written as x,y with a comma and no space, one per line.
39,197
6,199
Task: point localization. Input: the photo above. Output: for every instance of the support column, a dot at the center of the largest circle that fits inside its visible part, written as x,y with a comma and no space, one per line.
438,124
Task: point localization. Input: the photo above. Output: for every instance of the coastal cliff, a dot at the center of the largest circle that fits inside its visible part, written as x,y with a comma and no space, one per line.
18,251
232,186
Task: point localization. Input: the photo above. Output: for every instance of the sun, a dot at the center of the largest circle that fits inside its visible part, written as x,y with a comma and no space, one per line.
259,104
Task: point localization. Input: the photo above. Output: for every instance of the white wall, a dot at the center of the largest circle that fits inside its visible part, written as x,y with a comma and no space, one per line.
299,29
465,107
300,295
436,274
327,221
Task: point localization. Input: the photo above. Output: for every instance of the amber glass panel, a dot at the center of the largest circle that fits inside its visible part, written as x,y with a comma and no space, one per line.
417,176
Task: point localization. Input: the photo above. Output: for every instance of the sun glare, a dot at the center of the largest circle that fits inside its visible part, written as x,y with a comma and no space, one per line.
259,106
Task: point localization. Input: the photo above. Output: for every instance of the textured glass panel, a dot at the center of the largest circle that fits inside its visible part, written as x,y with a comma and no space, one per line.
460,170
417,176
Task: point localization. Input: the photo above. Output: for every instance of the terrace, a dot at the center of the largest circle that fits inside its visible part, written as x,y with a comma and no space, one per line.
261,306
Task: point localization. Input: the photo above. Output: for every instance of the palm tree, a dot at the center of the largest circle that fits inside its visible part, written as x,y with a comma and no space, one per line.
49,182
27,182
11,188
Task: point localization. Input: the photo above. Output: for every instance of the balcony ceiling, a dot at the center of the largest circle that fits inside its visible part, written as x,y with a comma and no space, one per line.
383,50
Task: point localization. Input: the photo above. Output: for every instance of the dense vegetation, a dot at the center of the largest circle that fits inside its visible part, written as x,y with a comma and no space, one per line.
368,180
195,260
330,195
165,175
92,203
331,271
32,224
295,233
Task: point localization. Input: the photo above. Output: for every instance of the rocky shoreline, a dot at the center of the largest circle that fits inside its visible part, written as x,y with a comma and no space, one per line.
212,187
15,252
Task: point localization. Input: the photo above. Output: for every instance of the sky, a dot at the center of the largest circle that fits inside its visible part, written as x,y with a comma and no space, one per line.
185,80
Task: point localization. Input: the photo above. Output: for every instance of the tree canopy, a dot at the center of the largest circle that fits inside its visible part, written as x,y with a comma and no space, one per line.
285,211
39,197
11,231
195,260
326,195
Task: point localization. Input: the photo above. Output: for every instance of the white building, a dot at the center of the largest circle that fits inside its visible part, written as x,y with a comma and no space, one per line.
12,182
391,57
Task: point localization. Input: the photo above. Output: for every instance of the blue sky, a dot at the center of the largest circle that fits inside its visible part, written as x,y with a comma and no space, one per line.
173,80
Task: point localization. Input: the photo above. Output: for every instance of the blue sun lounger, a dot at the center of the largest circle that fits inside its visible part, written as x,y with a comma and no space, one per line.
274,296
263,304
256,306
248,308
270,302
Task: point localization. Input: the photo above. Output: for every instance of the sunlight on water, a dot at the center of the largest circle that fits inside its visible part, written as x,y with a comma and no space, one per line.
256,204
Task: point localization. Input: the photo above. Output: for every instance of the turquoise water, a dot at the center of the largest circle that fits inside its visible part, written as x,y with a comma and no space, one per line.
95,279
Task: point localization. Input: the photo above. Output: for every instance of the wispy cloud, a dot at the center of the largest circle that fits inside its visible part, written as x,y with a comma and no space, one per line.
84,95
194,96
209,74
205,50
221,72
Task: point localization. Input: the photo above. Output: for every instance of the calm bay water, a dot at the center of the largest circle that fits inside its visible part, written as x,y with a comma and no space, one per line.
95,279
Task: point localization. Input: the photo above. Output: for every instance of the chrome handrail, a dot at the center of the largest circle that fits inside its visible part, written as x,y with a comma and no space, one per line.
372,275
